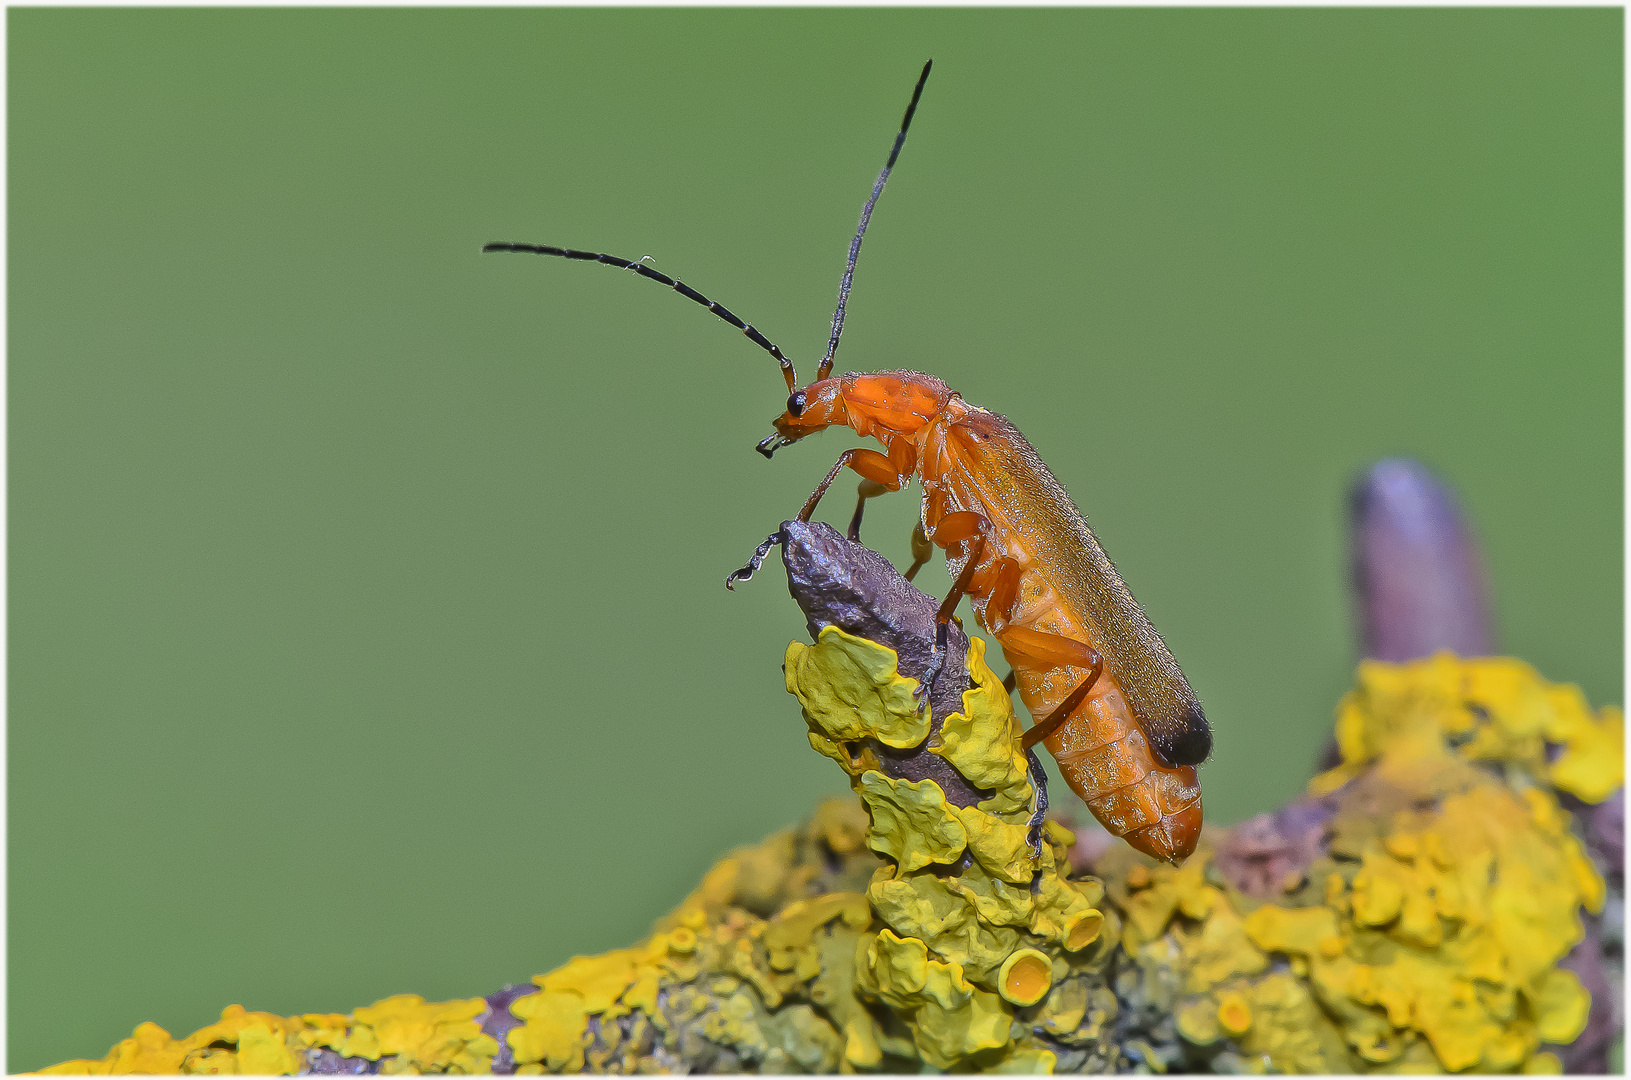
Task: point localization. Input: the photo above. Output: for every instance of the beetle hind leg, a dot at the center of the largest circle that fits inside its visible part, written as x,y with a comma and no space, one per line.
1057,718
1042,650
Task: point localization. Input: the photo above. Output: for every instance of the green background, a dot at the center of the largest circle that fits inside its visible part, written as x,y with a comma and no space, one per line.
366,620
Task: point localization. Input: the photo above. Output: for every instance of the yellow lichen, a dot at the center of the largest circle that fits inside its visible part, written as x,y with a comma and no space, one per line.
405,1034
790,938
1428,938
1591,764
554,1029
1434,941
976,742
1027,1061
951,1019
956,942
1495,709
911,822
435,1036
849,689
1025,977
1083,929
150,1049
1234,1014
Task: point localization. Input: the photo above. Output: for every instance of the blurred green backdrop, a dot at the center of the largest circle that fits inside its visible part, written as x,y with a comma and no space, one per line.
366,620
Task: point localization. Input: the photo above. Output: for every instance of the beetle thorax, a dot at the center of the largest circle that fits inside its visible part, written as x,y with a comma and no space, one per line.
893,403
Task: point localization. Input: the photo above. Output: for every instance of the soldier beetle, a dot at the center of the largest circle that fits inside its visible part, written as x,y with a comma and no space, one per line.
1115,710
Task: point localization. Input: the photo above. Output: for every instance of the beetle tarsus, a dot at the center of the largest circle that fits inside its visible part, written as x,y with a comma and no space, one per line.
754,563
1039,781
936,663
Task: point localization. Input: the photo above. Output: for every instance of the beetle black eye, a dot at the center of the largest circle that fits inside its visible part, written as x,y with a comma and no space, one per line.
795,404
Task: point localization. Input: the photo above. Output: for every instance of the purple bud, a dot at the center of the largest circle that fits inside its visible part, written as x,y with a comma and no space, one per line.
1418,577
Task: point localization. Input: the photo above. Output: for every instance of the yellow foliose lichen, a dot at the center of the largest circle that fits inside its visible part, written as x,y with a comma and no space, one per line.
972,915
911,821
1430,937
981,742
849,689
1425,935
1492,709
1591,763
432,1036
1025,977
406,1034
150,1049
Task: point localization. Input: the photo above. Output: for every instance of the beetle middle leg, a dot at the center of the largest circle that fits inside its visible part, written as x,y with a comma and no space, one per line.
922,550
953,528
868,489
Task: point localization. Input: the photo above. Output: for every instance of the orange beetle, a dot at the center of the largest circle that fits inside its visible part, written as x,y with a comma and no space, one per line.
1116,712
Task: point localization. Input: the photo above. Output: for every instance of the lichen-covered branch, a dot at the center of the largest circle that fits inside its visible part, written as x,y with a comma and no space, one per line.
1414,911
1411,913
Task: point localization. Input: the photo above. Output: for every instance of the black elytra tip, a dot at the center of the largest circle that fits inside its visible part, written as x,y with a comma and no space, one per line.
1188,743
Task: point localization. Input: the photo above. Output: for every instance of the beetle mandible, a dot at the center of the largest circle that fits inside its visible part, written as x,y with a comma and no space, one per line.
1111,704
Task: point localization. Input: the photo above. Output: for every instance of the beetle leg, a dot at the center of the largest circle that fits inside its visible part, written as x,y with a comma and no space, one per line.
1042,650
957,525
903,456
1008,681
951,529
942,618
1003,591
1057,718
960,586
1039,782
1050,651
922,550
869,489
869,463
754,563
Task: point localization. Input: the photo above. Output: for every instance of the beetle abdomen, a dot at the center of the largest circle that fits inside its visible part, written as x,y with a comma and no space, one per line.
1010,482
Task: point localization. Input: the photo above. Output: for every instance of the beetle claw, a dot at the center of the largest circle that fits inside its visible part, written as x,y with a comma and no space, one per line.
754,563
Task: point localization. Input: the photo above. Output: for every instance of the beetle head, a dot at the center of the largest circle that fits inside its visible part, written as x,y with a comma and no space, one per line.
814,408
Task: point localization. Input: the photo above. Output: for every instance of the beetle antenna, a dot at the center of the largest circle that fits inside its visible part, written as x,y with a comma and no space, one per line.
678,286
825,367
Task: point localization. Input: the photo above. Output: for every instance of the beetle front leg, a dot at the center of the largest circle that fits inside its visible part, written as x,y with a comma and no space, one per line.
902,461
754,563
869,463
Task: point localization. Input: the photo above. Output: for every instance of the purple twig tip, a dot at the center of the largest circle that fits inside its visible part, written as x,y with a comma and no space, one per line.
1419,584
